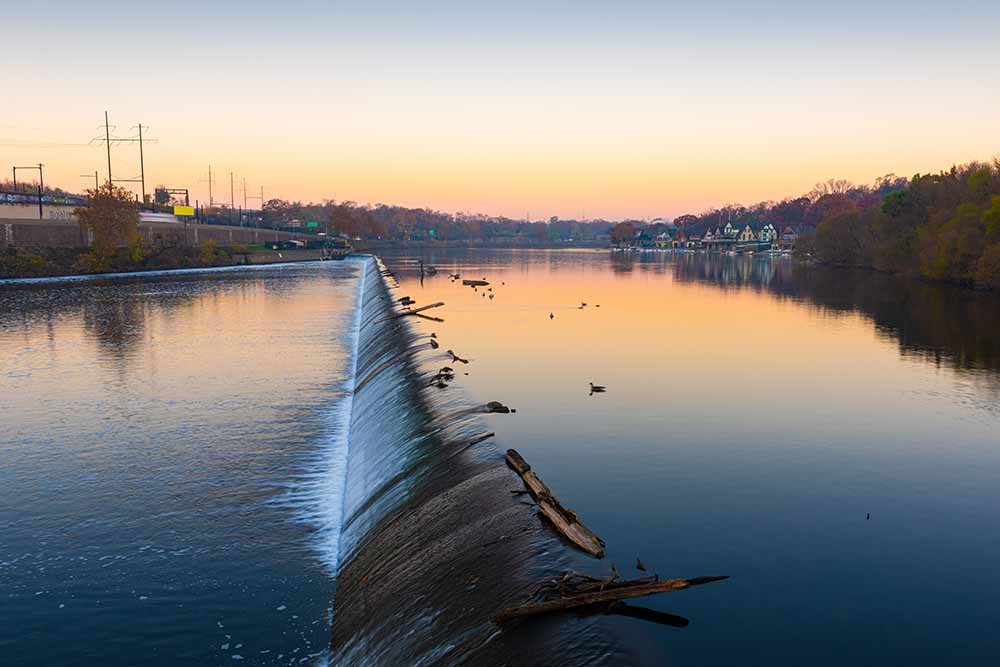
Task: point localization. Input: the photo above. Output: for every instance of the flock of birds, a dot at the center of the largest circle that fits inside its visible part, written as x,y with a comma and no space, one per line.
446,374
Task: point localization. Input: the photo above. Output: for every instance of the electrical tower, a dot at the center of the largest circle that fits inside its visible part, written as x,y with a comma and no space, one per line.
108,140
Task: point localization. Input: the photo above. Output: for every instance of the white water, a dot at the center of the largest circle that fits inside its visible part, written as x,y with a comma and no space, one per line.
319,496
147,274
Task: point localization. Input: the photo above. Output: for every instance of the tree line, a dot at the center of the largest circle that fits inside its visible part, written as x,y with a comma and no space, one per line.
401,223
943,226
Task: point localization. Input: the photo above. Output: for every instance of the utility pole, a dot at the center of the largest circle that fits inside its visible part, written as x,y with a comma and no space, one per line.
107,142
245,204
140,140
211,200
232,198
260,214
142,168
96,183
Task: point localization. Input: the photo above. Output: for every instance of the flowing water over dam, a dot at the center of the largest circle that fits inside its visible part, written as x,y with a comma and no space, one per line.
434,542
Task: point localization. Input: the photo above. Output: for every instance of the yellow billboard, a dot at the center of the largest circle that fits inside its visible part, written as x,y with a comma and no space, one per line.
184,210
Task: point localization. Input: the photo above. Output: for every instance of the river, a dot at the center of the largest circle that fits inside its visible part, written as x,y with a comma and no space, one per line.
169,449
178,484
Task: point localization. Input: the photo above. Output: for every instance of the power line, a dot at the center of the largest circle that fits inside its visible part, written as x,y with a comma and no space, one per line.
108,140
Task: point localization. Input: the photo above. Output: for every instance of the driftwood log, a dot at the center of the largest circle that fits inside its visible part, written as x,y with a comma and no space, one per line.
415,311
565,520
475,283
612,593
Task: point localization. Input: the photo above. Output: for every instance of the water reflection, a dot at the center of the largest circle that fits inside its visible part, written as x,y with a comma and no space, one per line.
948,325
164,444
649,615
756,414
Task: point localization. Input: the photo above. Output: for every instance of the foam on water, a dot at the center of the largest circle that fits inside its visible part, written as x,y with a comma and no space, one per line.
148,274
432,541
318,496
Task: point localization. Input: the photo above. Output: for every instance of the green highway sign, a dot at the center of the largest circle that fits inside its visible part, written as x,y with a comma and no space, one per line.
312,224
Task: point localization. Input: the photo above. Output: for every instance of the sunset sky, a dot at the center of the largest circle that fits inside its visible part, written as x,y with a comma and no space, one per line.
605,109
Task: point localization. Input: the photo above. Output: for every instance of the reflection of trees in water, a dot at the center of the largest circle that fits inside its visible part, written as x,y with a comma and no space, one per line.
949,325
116,322
115,313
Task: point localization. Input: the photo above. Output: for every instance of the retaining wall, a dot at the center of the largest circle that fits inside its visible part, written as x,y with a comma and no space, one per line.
66,234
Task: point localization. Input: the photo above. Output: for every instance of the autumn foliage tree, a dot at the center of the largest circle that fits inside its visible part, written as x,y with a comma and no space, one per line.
112,219
623,232
943,226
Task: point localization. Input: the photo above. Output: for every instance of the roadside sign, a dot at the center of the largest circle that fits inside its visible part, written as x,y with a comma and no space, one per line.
312,224
184,210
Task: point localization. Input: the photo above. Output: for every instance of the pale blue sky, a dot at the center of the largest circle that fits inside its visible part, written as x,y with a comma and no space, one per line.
633,108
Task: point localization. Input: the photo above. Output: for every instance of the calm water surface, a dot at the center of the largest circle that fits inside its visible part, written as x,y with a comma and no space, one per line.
756,415
166,451
167,447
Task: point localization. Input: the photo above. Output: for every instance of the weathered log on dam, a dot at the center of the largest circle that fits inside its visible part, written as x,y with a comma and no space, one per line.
433,541
564,520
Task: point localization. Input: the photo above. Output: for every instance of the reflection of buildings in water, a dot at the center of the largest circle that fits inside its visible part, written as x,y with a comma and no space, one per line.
946,325
731,271
623,262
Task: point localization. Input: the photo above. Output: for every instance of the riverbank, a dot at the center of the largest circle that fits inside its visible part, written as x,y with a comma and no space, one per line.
504,242
58,262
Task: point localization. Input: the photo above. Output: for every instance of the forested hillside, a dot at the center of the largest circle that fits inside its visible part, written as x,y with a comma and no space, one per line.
942,226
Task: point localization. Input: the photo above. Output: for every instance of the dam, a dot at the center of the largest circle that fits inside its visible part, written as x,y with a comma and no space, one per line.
434,542
253,470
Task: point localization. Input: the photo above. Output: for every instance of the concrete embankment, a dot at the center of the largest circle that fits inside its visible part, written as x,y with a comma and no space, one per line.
255,259
21,233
